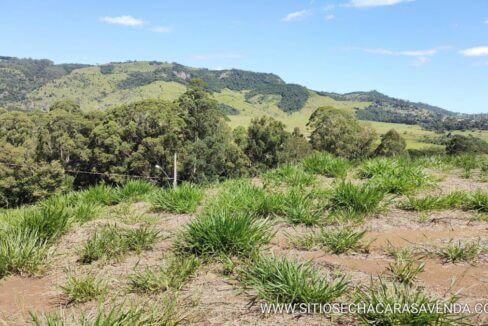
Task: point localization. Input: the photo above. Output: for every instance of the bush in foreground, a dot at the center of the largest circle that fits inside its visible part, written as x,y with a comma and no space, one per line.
223,233
280,280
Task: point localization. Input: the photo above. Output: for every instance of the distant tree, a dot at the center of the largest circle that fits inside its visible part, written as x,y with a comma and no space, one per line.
295,148
392,144
337,132
459,144
266,138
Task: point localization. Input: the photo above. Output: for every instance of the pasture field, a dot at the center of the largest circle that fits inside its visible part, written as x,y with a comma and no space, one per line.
382,231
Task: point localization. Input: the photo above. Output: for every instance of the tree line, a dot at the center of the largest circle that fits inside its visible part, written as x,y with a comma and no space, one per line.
65,148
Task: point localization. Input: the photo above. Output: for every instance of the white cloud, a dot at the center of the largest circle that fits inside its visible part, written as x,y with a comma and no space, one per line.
375,3
217,56
162,29
480,51
329,7
123,20
296,16
329,17
410,53
486,21
420,61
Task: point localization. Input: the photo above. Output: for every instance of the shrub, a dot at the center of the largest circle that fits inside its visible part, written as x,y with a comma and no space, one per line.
279,280
223,233
459,144
391,295
326,164
392,144
83,288
364,199
183,199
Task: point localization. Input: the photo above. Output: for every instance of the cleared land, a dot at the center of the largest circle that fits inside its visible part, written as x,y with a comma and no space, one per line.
295,215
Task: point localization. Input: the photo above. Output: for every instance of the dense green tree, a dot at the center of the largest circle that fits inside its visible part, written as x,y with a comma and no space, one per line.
209,151
266,138
240,137
137,137
295,148
23,180
339,133
65,138
16,128
392,144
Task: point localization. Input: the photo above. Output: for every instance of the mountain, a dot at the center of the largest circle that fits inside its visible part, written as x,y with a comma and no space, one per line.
28,84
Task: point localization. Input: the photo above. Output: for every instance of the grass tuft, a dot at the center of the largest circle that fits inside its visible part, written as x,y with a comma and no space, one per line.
175,276
223,233
112,242
290,175
336,241
394,294
182,200
84,288
283,281
326,164
363,199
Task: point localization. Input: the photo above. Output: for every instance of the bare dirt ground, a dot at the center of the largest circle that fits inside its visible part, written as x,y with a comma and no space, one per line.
213,298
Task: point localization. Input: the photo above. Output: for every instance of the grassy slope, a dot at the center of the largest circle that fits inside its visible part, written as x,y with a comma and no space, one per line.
95,91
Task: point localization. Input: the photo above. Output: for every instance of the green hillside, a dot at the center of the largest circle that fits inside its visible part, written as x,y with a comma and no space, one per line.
28,84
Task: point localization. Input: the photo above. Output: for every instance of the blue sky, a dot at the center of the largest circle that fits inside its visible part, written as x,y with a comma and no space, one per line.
435,51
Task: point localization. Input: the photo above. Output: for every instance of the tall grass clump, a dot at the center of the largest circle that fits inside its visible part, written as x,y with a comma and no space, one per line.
335,240
477,201
100,194
84,288
326,164
458,251
405,271
49,220
279,280
453,200
22,251
241,196
394,294
223,233
156,280
395,175
113,242
163,312
300,207
182,200
362,199
290,175
133,190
